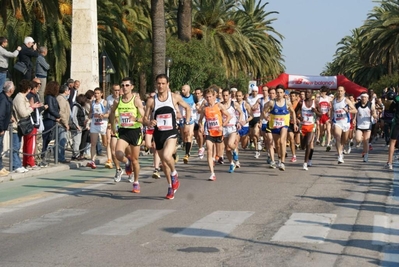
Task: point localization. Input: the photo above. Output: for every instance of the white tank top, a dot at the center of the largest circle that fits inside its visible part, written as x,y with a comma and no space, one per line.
308,116
252,101
363,117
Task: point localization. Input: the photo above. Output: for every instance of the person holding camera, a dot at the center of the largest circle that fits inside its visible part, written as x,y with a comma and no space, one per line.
28,51
4,55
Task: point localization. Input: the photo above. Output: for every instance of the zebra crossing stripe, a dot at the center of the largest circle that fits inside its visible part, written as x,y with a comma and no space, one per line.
129,223
216,225
44,221
305,228
385,230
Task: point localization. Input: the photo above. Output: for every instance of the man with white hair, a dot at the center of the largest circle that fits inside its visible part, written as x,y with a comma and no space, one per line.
254,123
28,51
5,118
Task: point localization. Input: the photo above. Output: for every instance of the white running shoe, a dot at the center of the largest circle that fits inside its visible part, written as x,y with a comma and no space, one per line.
309,163
282,167
340,159
305,166
201,152
366,157
130,178
118,175
257,154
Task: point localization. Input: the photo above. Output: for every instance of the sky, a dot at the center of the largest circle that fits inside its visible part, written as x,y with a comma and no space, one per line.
312,29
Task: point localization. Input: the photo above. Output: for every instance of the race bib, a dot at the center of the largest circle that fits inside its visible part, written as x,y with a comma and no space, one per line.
340,114
124,119
278,123
98,121
307,117
213,124
164,122
324,107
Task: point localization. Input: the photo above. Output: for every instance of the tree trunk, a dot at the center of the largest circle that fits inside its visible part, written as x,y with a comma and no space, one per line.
184,20
159,37
143,84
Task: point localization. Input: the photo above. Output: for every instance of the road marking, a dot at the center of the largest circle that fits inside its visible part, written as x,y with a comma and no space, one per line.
390,257
129,223
305,228
44,221
216,225
395,184
385,230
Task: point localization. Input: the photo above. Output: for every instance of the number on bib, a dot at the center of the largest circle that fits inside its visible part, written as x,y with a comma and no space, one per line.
164,122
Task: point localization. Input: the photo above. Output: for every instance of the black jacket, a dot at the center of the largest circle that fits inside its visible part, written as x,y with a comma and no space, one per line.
35,100
5,111
53,110
26,54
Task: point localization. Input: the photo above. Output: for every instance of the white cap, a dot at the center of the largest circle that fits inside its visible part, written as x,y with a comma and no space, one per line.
28,39
233,89
255,88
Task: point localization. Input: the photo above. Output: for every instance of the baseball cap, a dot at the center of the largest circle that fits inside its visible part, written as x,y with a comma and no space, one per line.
255,88
233,89
28,39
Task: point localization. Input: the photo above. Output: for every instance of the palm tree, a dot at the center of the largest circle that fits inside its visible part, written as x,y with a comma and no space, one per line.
159,37
184,20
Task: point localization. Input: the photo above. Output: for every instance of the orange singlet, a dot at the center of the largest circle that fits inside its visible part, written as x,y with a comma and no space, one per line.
213,118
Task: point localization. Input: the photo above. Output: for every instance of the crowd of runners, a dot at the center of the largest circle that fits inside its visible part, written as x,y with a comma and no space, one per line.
267,120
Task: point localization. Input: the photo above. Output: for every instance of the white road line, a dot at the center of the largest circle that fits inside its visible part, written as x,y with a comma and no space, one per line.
216,225
127,224
395,184
305,228
390,257
385,230
44,221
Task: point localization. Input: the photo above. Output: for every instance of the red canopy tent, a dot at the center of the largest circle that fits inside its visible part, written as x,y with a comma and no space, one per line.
315,82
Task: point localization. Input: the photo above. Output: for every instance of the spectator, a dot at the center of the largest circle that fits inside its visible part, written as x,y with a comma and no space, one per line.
4,55
79,119
74,93
26,54
50,116
84,145
22,109
65,113
42,67
5,118
33,97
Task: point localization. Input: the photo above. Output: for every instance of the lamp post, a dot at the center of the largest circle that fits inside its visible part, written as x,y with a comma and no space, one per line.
168,63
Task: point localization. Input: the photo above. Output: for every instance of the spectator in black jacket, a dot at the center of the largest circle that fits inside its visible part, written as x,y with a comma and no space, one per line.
5,118
28,51
50,116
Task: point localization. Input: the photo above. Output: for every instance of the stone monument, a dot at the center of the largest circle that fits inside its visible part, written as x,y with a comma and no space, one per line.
84,45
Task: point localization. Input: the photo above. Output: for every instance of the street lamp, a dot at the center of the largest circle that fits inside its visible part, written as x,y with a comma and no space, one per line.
168,63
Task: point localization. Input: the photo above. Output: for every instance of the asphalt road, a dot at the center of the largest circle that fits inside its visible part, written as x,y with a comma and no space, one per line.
331,215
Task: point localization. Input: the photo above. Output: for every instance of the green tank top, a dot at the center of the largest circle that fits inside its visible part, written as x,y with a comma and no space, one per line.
126,111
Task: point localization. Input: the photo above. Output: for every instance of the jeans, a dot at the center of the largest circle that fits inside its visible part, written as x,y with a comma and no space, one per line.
47,136
62,140
3,77
1,151
77,138
16,147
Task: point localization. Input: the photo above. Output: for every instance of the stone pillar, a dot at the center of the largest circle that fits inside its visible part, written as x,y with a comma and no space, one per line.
84,47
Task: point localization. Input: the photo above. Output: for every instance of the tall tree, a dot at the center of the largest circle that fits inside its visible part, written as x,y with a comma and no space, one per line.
159,37
184,20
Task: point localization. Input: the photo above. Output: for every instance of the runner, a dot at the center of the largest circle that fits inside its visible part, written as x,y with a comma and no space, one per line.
363,120
323,105
341,107
308,126
394,134
112,139
254,123
212,112
187,127
265,116
198,137
230,130
280,110
247,113
294,136
99,114
162,110
130,110
263,123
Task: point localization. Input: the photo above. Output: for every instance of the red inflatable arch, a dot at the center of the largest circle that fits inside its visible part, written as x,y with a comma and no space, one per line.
315,82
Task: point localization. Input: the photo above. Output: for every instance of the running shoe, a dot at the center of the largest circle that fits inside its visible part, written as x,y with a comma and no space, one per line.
156,174
91,164
282,166
238,165
128,167
388,166
175,157
175,182
171,193
366,157
130,179
309,163
108,164
201,152
269,160
317,142
370,147
235,155
340,159
136,188
257,154
232,167
272,165
185,159
118,175
348,151
220,160
43,164
293,159
212,177
252,146
351,143
305,166
328,148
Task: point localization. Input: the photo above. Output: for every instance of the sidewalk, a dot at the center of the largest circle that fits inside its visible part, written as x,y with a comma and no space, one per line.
145,163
